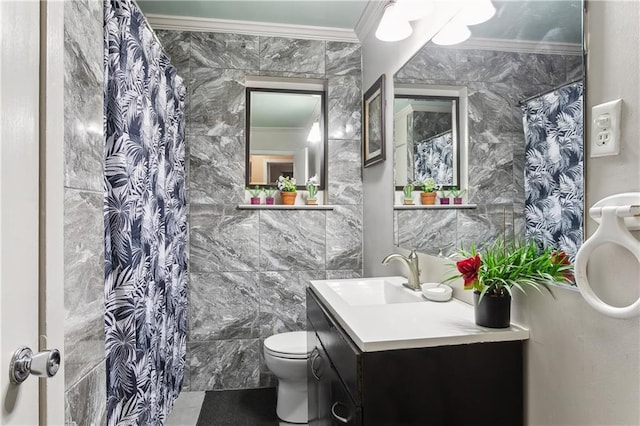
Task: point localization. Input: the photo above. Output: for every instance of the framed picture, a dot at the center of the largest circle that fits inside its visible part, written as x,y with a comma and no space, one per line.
373,114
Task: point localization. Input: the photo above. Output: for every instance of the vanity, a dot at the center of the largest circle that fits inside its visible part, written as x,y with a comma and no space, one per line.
383,355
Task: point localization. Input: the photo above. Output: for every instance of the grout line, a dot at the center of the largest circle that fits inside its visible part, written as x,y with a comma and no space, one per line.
91,371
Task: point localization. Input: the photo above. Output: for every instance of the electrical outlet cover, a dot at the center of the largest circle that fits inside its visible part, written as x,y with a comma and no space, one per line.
605,129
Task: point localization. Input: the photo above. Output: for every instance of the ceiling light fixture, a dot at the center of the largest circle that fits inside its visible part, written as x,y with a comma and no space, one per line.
314,133
476,12
393,26
453,33
412,10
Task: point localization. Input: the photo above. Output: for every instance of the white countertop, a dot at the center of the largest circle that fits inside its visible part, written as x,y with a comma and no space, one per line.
409,325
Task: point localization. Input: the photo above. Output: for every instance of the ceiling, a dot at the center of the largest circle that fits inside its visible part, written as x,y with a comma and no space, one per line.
281,110
327,13
549,21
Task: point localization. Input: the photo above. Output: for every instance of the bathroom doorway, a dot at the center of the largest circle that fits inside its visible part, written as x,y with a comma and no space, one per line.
31,206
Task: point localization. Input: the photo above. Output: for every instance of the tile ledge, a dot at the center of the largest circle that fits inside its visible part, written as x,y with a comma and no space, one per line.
283,207
434,206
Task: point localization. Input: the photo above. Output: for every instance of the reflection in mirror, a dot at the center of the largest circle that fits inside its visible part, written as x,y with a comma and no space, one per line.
285,136
523,72
426,140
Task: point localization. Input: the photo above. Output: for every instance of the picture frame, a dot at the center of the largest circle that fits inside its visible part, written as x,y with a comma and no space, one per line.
373,106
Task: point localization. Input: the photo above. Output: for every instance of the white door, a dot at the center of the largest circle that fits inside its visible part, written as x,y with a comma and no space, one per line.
24,268
19,172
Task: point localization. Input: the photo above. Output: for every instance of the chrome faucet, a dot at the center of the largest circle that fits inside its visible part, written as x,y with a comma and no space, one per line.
411,262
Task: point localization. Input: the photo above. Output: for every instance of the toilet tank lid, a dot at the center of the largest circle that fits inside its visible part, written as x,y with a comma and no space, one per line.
294,342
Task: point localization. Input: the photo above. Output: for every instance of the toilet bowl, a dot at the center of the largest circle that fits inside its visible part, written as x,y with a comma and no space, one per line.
286,357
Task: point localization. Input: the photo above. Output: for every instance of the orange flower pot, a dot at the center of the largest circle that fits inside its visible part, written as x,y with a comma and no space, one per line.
288,198
428,198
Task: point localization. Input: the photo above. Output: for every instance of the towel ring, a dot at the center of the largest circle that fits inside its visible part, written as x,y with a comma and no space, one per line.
615,222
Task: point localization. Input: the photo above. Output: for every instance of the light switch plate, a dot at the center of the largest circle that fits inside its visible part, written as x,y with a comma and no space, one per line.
605,128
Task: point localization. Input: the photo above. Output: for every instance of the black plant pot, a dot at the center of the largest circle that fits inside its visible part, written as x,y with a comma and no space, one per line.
492,311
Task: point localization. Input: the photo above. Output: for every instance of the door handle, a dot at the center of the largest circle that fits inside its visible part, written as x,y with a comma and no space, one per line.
314,358
339,418
24,363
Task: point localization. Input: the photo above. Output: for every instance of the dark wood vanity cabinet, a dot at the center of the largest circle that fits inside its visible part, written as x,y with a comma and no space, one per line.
332,403
473,384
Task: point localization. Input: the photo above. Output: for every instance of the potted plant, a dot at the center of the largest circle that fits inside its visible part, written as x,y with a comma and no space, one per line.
428,195
255,194
444,197
502,266
312,190
408,194
457,194
287,187
269,195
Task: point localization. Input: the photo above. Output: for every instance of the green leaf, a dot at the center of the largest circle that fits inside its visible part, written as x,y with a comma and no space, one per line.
508,290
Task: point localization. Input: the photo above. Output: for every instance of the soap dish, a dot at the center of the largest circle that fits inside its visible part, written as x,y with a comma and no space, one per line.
437,292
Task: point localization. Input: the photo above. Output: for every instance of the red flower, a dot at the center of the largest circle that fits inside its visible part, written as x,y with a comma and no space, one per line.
561,258
469,269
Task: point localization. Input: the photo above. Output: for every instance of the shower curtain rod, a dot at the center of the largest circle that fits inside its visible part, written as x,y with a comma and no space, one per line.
431,138
155,36
524,101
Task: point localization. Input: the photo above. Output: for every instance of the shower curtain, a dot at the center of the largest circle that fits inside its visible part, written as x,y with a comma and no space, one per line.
433,157
554,194
145,221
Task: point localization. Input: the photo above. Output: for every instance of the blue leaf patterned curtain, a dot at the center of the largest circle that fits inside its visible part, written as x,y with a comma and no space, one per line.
433,157
554,189
145,221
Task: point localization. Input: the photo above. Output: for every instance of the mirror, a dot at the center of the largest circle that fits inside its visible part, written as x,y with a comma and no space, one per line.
426,133
522,68
285,136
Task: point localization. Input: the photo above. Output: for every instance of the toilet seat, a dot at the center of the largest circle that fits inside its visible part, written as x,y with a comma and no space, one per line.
291,345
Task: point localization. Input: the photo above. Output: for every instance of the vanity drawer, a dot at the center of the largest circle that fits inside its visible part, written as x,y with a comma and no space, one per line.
342,353
329,401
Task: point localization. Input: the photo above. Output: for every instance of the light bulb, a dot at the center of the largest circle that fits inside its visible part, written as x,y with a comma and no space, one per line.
453,33
392,26
476,12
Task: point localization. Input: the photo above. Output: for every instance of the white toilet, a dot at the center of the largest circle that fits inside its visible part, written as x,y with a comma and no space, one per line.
286,356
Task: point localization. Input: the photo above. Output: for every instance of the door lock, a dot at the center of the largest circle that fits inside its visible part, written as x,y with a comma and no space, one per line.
24,363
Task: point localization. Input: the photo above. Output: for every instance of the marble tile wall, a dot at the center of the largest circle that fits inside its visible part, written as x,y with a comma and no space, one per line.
496,81
249,269
85,376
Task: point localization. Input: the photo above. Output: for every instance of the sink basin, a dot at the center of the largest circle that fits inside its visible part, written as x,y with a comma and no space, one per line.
373,292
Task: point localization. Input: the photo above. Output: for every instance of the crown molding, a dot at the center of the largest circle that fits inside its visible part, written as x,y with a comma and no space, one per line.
187,23
521,46
369,19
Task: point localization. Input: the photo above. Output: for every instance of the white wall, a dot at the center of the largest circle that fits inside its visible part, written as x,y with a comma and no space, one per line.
282,141
273,139
582,368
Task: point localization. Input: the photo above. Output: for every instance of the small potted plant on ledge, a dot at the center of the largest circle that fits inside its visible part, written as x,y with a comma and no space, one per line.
312,190
493,272
444,197
408,194
287,187
428,194
457,194
255,194
269,195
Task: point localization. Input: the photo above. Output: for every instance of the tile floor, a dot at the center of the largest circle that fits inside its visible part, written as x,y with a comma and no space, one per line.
186,409
247,407
243,407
